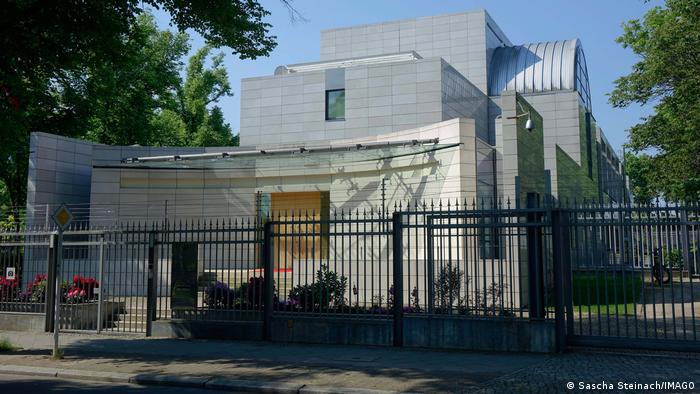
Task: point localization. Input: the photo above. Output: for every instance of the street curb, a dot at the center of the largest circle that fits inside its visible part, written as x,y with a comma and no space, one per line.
205,382
253,386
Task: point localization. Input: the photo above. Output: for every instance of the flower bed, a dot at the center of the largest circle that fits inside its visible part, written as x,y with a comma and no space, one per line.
9,289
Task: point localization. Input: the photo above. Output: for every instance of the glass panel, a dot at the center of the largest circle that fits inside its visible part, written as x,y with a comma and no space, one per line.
335,104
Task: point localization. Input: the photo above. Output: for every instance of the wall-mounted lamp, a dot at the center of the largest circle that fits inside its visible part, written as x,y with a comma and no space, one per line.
529,124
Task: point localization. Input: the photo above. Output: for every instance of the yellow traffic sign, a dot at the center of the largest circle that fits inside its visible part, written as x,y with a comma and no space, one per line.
63,217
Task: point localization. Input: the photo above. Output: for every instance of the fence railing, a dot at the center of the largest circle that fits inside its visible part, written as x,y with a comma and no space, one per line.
621,272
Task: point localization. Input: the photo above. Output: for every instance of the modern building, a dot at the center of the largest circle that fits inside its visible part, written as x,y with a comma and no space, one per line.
441,108
418,109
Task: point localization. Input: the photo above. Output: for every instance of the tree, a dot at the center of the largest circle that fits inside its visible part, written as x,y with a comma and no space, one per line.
642,182
120,96
667,41
203,87
48,47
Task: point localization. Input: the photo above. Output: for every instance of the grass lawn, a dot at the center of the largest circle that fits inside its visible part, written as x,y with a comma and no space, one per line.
610,309
606,288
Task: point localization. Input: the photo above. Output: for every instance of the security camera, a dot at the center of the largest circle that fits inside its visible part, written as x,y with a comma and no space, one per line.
529,125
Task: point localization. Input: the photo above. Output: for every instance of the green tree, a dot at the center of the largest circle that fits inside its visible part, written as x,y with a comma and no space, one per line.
639,170
667,41
204,123
120,96
56,63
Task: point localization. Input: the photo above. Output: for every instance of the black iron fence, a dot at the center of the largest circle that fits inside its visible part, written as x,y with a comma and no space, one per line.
604,274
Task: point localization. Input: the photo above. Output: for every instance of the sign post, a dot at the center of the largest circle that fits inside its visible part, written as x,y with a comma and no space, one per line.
62,217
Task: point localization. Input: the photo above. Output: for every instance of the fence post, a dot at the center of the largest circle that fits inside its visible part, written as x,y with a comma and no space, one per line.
57,291
535,269
685,242
150,288
100,280
397,243
50,292
562,271
430,264
269,279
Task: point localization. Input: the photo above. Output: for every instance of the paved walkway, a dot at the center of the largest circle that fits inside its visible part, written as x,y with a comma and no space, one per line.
323,368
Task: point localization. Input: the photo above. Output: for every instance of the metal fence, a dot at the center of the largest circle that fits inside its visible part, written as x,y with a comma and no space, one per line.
607,275
634,275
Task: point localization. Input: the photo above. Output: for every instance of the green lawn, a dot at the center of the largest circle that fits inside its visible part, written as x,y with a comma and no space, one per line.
610,288
612,309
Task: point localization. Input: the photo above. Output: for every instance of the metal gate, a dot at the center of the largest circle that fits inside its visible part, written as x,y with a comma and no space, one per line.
634,276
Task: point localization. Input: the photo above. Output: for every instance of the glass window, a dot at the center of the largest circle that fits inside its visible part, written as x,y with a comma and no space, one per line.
335,104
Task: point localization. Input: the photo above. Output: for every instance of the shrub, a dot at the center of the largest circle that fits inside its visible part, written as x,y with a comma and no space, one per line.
8,289
81,290
6,346
490,302
249,295
448,285
255,291
328,290
36,290
673,258
219,295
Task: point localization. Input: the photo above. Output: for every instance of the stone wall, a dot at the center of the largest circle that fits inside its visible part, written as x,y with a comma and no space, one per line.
381,98
462,39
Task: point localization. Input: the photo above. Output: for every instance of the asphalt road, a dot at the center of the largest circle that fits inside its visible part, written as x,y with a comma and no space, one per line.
36,384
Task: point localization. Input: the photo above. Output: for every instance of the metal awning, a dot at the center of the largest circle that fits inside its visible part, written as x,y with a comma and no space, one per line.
297,157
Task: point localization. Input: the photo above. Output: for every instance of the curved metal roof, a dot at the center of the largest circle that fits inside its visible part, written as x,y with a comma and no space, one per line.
540,67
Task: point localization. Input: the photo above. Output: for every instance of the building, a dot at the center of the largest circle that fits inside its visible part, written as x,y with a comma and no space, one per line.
409,110
441,108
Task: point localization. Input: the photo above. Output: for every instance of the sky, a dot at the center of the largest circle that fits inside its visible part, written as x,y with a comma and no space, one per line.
596,23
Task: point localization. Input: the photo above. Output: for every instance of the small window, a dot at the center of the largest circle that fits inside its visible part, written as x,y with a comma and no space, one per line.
335,104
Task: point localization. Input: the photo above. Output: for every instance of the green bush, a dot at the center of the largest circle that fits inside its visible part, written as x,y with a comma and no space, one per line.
606,287
6,346
673,258
328,290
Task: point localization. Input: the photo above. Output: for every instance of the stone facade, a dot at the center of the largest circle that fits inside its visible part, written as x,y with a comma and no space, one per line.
379,99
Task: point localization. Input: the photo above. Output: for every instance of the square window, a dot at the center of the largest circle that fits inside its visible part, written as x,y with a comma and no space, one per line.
335,104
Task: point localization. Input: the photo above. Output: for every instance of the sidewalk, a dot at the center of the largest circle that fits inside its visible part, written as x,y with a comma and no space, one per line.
273,367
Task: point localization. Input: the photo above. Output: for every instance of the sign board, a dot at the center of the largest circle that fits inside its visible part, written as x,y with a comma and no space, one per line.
10,273
183,276
63,217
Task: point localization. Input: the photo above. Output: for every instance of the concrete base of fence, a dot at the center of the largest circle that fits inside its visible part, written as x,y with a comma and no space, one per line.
84,316
332,330
507,335
239,330
32,322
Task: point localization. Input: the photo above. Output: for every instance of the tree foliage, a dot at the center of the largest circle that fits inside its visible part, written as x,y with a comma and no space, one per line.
101,70
667,41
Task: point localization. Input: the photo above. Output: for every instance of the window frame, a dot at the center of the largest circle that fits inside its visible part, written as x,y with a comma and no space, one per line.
327,94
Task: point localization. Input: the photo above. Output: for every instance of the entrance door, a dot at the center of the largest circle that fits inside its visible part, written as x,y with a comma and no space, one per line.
302,234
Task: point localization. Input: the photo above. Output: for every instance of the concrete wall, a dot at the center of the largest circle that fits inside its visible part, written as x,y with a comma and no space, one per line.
136,194
382,98
462,39
60,172
520,158
118,194
32,322
436,332
561,113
